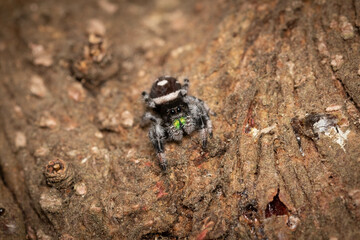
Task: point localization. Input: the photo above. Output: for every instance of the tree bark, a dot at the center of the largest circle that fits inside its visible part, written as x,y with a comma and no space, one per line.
282,77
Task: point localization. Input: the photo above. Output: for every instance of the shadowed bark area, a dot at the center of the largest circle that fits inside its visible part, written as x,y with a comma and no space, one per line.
282,77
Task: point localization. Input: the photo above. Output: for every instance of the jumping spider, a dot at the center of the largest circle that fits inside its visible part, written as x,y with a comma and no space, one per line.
176,114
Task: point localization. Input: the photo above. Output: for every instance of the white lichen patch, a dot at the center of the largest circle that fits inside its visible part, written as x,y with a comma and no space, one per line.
40,55
336,62
84,160
346,28
76,92
107,6
47,121
291,66
20,140
95,150
341,137
98,134
267,130
127,119
95,26
50,201
333,108
355,195
41,235
178,51
293,222
328,127
11,227
80,189
37,86
323,124
41,151
256,132
322,48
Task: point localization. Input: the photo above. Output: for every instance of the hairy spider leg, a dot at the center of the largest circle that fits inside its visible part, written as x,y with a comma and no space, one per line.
204,119
203,133
185,87
208,124
148,100
158,138
147,118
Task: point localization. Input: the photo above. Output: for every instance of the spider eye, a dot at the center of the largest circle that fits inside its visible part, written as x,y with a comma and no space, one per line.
178,109
172,111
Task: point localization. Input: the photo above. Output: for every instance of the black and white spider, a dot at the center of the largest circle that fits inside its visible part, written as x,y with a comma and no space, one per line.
174,114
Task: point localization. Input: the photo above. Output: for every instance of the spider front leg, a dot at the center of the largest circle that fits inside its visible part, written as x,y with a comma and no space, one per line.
147,118
185,87
148,100
205,129
208,124
200,111
158,138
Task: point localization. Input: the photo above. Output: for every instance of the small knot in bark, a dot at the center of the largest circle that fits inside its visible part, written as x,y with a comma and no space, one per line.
59,174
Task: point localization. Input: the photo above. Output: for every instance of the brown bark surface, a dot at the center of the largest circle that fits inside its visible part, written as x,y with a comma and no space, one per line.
283,78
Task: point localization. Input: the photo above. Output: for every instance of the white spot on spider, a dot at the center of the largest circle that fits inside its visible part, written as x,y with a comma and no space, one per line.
162,83
166,98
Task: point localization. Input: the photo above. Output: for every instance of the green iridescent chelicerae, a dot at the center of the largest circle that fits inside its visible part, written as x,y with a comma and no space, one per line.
179,122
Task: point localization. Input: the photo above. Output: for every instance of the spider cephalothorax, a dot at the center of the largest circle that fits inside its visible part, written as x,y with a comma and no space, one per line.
175,114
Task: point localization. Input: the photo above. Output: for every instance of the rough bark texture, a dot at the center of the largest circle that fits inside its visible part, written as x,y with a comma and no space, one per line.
282,76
